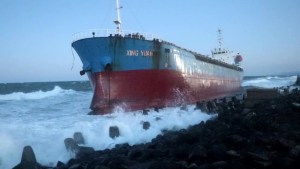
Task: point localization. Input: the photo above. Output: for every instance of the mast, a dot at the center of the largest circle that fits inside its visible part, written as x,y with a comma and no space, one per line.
118,21
220,39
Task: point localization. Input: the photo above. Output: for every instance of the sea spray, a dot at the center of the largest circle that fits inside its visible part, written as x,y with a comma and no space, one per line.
46,132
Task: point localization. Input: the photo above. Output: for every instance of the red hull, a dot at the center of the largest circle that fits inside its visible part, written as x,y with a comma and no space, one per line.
141,89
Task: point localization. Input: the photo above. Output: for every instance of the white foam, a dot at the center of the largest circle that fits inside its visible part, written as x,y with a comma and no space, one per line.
34,95
270,81
45,131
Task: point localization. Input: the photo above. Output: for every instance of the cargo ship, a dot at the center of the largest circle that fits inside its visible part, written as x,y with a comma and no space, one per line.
138,71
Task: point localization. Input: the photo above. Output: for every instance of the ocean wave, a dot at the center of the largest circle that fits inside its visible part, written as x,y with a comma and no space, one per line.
35,95
270,81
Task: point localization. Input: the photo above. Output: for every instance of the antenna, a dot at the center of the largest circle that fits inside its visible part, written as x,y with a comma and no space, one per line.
118,21
220,38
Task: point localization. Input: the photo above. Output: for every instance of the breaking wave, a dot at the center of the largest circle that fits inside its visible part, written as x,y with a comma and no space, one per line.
269,81
40,129
35,95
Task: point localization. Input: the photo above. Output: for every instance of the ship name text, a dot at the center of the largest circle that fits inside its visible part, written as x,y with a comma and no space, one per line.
147,53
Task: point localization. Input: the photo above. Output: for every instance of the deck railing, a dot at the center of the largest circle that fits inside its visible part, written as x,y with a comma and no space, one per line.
112,32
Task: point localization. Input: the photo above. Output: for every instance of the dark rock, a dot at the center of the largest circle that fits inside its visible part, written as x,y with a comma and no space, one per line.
217,152
197,153
165,164
235,140
184,107
183,164
118,163
256,156
193,166
219,164
114,132
78,138
71,145
76,166
233,153
283,144
285,162
181,152
202,106
83,151
28,160
101,167
146,125
262,164
72,162
295,152
211,106
60,164
134,154
157,118
145,112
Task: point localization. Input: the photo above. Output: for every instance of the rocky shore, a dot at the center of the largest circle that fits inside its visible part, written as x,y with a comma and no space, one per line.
261,131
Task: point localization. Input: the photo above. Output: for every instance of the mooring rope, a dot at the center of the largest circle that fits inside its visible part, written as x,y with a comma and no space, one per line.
73,58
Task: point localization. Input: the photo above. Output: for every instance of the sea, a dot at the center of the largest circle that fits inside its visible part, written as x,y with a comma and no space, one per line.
44,114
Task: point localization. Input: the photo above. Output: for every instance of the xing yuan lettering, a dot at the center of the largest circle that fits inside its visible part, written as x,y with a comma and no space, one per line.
146,53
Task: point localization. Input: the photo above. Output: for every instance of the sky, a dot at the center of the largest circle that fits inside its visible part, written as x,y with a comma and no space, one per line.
36,35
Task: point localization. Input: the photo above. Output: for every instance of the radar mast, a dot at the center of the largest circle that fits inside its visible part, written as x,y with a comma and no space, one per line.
118,21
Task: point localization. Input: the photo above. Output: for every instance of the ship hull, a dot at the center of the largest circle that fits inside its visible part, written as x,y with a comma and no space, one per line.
142,89
134,73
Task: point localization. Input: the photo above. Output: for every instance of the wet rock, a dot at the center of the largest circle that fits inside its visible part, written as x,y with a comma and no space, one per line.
78,138
184,108
165,164
283,144
217,152
202,106
114,132
258,95
60,165
134,154
192,166
146,125
83,151
262,164
197,153
157,118
295,152
76,166
256,156
71,145
145,112
235,140
219,164
285,162
296,106
211,106
233,153
28,160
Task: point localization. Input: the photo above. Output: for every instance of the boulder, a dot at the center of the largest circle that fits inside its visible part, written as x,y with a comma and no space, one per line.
114,132
78,138
259,95
28,160
71,145
146,125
